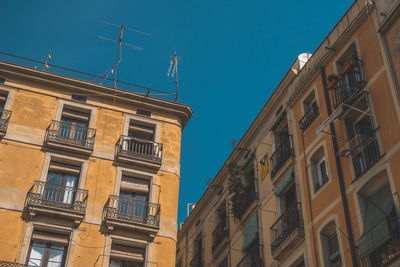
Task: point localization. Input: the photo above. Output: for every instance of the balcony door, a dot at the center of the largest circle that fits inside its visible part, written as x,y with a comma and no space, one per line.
46,255
140,138
74,125
61,187
134,197
289,208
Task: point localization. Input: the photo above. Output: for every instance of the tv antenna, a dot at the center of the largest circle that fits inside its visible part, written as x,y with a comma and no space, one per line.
122,29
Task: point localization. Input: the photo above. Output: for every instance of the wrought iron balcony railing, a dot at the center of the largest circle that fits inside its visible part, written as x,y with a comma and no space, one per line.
65,132
132,210
367,156
196,261
5,116
347,83
388,252
13,264
57,196
139,148
310,115
282,153
219,233
99,80
286,224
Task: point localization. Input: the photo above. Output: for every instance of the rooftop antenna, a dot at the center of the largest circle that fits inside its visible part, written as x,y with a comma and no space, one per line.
173,70
122,29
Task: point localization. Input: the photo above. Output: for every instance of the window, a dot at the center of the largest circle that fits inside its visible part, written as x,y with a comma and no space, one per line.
62,181
311,111
134,196
47,249
123,255
330,246
362,144
379,241
141,130
3,98
319,171
197,260
74,124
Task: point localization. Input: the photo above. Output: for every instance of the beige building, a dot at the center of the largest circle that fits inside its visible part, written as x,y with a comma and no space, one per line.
89,174
313,181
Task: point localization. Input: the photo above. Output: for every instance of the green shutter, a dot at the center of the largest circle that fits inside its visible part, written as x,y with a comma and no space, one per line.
285,181
250,233
376,229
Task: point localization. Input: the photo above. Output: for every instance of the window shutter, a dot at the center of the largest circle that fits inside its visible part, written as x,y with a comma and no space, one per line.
250,232
135,185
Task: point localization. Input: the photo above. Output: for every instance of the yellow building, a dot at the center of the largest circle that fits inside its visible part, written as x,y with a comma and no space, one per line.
313,181
89,174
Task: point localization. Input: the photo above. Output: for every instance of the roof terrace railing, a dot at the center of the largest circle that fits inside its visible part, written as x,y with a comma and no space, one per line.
86,77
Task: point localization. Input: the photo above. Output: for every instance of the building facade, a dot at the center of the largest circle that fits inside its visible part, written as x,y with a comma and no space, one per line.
89,174
313,181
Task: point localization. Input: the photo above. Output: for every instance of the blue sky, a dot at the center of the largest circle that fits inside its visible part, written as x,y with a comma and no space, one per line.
234,53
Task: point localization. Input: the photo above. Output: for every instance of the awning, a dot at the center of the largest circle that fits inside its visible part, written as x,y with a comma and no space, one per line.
250,232
282,185
376,228
334,115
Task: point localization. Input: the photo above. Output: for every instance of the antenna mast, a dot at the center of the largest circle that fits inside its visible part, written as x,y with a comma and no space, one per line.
121,34
122,29
176,76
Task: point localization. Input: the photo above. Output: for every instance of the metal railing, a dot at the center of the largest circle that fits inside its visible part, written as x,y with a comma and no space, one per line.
310,115
98,80
57,196
346,84
365,158
286,224
139,148
319,184
133,210
219,233
5,116
196,261
13,264
72,134
282,153
388,252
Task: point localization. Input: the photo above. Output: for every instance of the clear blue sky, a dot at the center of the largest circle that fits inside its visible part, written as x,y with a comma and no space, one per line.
234,53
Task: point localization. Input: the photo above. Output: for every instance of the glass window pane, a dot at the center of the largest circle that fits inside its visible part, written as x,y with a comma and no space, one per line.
36,255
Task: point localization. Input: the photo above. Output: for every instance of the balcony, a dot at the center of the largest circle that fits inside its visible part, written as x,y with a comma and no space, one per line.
287,231
310,115
132,150
347,83
13,264
196,261
57,200
5,116
219,234
132,214
281,155
66,136
388,254
366,156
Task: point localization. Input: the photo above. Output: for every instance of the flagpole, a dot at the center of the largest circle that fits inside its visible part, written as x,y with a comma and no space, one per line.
176,76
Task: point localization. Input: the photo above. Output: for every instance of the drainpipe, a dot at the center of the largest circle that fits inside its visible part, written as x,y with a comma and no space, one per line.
340,174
